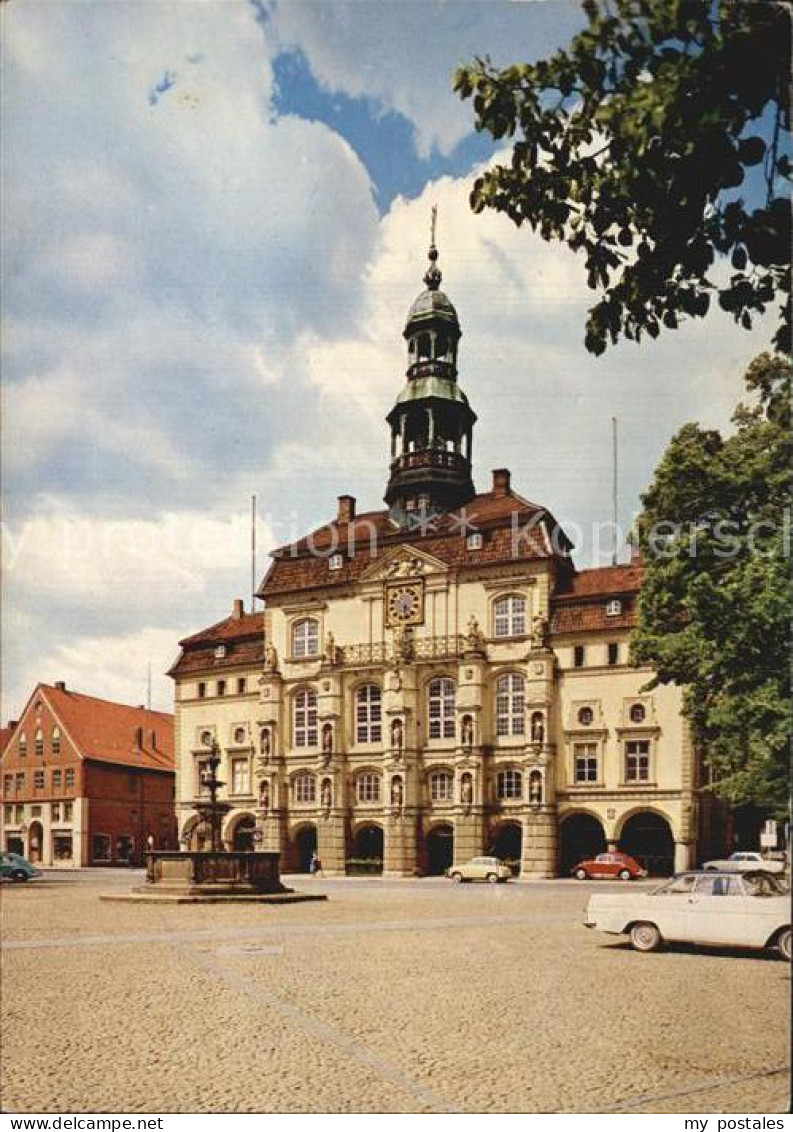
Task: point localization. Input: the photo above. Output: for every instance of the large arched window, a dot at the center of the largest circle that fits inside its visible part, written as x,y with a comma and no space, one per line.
304,787
509,785
440,708
368,714
305,637
510,704
441,786
367,787
509,616
305,718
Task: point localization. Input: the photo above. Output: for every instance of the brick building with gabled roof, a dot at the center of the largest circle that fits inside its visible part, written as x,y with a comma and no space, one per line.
86,781
436,680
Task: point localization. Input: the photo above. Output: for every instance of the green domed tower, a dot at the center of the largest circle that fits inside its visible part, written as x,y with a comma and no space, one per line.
431,422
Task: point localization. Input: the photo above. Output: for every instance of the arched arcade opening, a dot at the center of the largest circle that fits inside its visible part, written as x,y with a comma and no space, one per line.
368,847
439,850
507,844
581,837
647,838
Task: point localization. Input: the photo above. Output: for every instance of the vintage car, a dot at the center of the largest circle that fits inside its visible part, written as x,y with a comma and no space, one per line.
745,863
491,869
722,909
614,866
14,867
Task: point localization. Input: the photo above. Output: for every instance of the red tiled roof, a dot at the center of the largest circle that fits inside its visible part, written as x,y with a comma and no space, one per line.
5,737
581,608
370,535
242,636
106,731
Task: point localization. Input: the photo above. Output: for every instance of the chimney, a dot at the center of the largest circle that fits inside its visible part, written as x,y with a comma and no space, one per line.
60,685
13,724
346,512
501,482
237,609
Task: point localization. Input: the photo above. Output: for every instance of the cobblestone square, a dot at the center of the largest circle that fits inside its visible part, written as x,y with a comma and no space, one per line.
394,996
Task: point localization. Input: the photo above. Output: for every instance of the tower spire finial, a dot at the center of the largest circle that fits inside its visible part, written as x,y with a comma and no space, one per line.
433,276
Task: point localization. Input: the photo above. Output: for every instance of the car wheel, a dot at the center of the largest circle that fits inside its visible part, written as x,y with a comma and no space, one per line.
457,878
18,874
492,878
624,874
784,944
645,937
580,874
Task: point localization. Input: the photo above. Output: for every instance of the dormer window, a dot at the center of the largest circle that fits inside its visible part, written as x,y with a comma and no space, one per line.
335,562
220,652
474,542
613,607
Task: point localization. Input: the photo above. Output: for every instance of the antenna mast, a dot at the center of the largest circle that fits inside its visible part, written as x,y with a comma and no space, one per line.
253,553
614,489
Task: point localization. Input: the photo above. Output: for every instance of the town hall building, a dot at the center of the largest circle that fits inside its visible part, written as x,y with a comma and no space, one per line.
436,680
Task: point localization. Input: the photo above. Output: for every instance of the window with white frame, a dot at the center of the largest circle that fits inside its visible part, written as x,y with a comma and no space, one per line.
38,780
240,776
304,788
56,780
367,787
19,782
23,745
509,616
39,741
637,760
69,779
368,714
55,741
440,708
8,783
305,637
305,718
585,763
8,813
474,541
335,562
441,786
509,785
510,704
613,607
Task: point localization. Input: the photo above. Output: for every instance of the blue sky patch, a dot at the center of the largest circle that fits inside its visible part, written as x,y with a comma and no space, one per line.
384,140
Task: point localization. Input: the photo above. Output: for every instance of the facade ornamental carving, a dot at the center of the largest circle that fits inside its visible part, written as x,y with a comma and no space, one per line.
540,630
326,796
270,658
467,791
468,732
535,788
405,568
332,654
327,742
264,796
266,744
403,644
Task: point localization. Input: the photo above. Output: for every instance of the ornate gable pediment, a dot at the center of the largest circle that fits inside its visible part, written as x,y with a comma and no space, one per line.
404,562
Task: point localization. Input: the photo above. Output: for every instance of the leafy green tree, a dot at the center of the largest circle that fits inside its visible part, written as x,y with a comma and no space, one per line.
714,609
641,145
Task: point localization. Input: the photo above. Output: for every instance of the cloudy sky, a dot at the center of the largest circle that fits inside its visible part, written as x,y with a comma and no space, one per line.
215,216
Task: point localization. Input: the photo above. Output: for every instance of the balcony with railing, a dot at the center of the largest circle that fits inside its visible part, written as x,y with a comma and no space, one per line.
420,649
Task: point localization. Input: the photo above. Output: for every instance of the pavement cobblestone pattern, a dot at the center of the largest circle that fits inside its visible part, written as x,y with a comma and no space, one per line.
391,997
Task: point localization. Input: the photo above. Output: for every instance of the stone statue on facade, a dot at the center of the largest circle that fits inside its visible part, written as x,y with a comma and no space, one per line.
266,745
539,632
397,793
467,792
537,729
403,644
475,638
326,796
535,788
327,742
468,732
397,736
332,652
270,657
264,796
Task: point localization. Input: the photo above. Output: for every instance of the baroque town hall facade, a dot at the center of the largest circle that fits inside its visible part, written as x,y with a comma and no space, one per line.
436,680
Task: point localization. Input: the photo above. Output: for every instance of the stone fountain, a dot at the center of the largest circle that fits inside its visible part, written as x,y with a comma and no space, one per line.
217,875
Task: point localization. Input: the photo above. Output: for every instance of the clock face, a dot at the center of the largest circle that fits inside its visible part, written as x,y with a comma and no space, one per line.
404,604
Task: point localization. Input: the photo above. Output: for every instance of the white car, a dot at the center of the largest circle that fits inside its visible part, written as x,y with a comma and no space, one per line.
746,863
723,909
491,869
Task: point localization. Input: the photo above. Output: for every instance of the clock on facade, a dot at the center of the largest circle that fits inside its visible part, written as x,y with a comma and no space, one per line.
405,604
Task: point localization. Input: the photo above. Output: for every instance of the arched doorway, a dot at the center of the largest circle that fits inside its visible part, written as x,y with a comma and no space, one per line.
440,849
35,842
581,837
242,837
507,844
368,848
305,847
646,836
